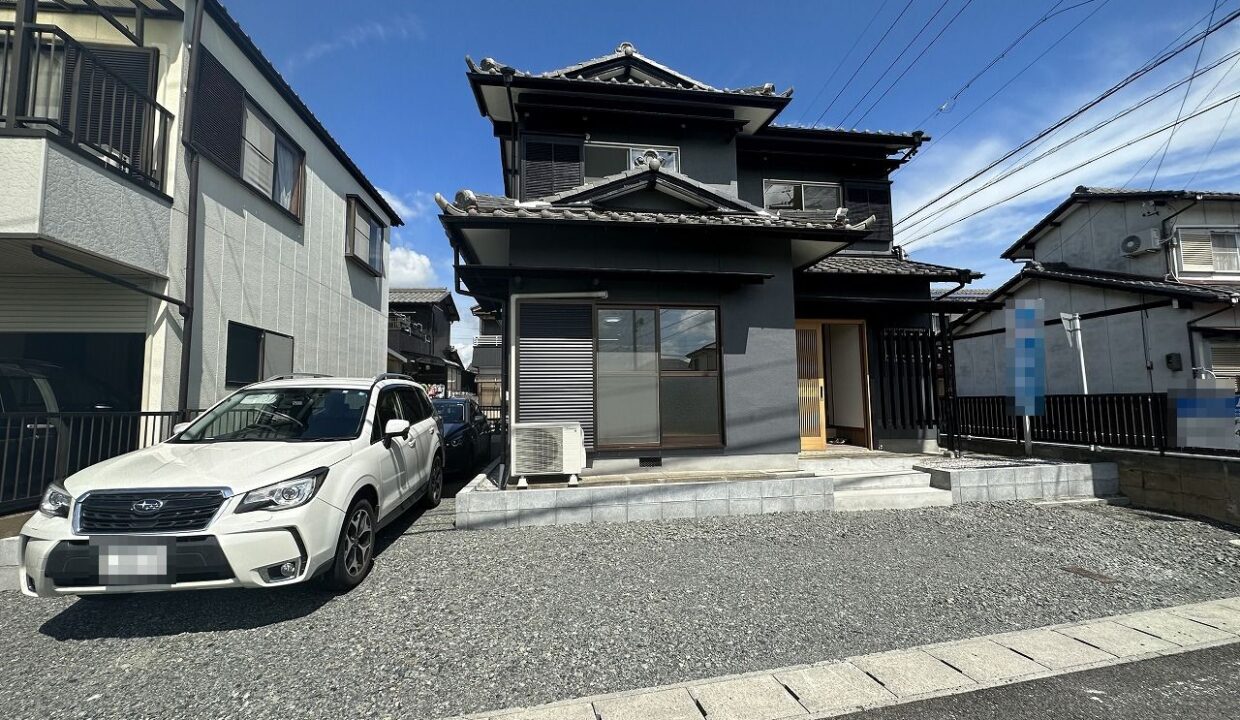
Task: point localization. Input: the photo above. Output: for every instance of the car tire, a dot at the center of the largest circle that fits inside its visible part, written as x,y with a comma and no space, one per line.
355,548
434,486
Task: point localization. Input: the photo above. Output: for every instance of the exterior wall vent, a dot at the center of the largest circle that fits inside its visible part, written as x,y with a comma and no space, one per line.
650,462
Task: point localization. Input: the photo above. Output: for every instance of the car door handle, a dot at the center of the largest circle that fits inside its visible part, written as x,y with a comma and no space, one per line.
38,426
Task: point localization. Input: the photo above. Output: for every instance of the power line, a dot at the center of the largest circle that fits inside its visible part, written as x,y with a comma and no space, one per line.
994,61
1210,152
895,82
1074,168
1133,77
908,46
852,77
1201,49
939,137
840,64
1143,102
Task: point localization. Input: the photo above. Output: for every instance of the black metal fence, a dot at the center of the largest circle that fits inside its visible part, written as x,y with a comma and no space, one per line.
906,379
1119,420
39,448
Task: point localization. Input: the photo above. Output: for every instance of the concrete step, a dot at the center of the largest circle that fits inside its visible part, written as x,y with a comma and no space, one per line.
868,463
880,479
891,498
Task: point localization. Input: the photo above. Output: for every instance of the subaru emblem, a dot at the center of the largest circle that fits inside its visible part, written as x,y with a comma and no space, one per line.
148,506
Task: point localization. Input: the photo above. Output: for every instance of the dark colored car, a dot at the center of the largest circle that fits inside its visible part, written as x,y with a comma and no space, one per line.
466,433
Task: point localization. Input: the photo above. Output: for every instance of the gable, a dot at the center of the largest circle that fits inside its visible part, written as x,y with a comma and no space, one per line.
649,200
660,189
625,64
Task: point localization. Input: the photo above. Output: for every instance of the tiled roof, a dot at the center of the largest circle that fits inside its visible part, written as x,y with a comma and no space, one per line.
1131,283
417,295
469,203
886,265
858,131
1084,191
573,73
964,293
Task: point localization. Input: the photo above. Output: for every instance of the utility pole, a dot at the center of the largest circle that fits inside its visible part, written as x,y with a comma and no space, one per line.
1076,338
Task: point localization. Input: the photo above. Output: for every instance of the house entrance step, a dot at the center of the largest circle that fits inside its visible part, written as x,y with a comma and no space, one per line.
880,479
887,498
869,462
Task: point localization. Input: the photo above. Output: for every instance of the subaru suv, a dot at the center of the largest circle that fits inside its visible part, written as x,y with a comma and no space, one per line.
283,481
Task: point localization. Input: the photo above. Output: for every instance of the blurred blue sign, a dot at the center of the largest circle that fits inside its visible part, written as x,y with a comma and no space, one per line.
1026,348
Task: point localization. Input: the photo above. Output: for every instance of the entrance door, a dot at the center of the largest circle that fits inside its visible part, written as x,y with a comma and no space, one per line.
811,390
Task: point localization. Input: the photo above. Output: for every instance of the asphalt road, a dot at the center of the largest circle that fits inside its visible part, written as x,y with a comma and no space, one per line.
453,622
1203,685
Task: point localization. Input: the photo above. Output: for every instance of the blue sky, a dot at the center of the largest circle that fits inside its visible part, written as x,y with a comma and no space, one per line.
387,79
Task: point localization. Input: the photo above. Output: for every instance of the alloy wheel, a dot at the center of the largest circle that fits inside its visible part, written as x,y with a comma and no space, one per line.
436,482
359,540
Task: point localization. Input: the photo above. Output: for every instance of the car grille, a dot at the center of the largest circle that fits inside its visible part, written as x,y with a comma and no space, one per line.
182,511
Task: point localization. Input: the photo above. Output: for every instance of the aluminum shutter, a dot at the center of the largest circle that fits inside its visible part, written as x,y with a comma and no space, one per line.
219,111
863,201
555,365
108,113
1196,250
54,303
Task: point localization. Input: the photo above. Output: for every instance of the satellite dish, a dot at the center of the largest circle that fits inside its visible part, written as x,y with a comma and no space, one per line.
1130,245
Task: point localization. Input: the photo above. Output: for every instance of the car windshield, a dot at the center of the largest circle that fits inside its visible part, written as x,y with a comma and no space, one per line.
282,415
450,412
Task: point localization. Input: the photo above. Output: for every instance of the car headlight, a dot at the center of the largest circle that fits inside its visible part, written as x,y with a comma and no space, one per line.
55,502
284,495
457,441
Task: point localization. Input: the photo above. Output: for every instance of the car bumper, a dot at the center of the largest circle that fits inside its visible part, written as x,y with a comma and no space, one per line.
233,551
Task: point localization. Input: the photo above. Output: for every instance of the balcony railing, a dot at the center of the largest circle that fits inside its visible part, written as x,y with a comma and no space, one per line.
71,91
487,341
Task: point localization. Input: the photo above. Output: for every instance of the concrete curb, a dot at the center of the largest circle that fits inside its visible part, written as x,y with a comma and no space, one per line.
921,673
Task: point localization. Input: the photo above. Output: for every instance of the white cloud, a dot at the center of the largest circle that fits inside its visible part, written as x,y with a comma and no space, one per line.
978,240
410,206
368,33
410,268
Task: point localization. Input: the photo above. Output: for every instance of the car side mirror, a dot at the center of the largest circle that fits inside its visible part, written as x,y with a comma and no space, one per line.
396,428
180,428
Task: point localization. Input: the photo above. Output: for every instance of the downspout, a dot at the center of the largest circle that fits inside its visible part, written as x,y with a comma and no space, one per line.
514,172
1191,325
514,301
191,231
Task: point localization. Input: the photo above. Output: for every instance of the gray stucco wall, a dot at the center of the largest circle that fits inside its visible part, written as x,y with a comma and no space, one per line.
756,321
1116,347
704,157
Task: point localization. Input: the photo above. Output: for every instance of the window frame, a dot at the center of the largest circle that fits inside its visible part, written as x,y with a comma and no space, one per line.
299,190
660,372
262,350
1233,252
631,148
1211,230
839,187
352,203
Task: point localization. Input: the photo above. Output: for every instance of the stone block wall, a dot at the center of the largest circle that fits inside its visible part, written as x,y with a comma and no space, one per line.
1203,486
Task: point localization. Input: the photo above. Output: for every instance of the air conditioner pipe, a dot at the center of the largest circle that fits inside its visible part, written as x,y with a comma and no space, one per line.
514,310
1192,328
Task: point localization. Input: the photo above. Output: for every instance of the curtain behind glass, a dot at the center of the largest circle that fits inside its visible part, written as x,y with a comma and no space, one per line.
288,172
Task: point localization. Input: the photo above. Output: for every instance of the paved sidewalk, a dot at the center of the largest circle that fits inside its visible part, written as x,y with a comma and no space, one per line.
915,674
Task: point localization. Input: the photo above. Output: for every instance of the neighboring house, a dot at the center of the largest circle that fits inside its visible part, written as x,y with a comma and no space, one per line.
487,365
419,336
1156,277
678,274
105,187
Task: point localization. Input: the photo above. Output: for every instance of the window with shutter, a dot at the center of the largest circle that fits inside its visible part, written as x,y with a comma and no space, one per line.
1196,250
105,109
550,167
863,201
364,237
1225,358
219,113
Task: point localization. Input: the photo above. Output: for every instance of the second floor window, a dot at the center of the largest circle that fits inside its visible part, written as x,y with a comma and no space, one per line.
1210,250
603,159
364,237
800,196
549,167
270,162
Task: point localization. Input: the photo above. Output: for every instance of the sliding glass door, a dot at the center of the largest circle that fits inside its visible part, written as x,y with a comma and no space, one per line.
658,377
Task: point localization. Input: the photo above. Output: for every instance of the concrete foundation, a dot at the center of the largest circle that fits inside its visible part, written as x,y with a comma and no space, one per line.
1026,482
478,508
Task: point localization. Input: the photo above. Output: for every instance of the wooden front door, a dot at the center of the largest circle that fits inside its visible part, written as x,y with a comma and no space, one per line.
811,393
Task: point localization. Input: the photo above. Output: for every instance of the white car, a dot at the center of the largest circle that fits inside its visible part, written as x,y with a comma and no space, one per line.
282,481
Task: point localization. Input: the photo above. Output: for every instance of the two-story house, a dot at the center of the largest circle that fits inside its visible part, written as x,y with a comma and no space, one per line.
1155,276
174,221
419,337
694,284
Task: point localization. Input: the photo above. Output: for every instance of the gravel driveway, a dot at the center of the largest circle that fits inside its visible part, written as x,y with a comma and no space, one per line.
457,622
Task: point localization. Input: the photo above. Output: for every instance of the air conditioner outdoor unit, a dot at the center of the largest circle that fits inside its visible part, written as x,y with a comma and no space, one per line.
548,448
1143,242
